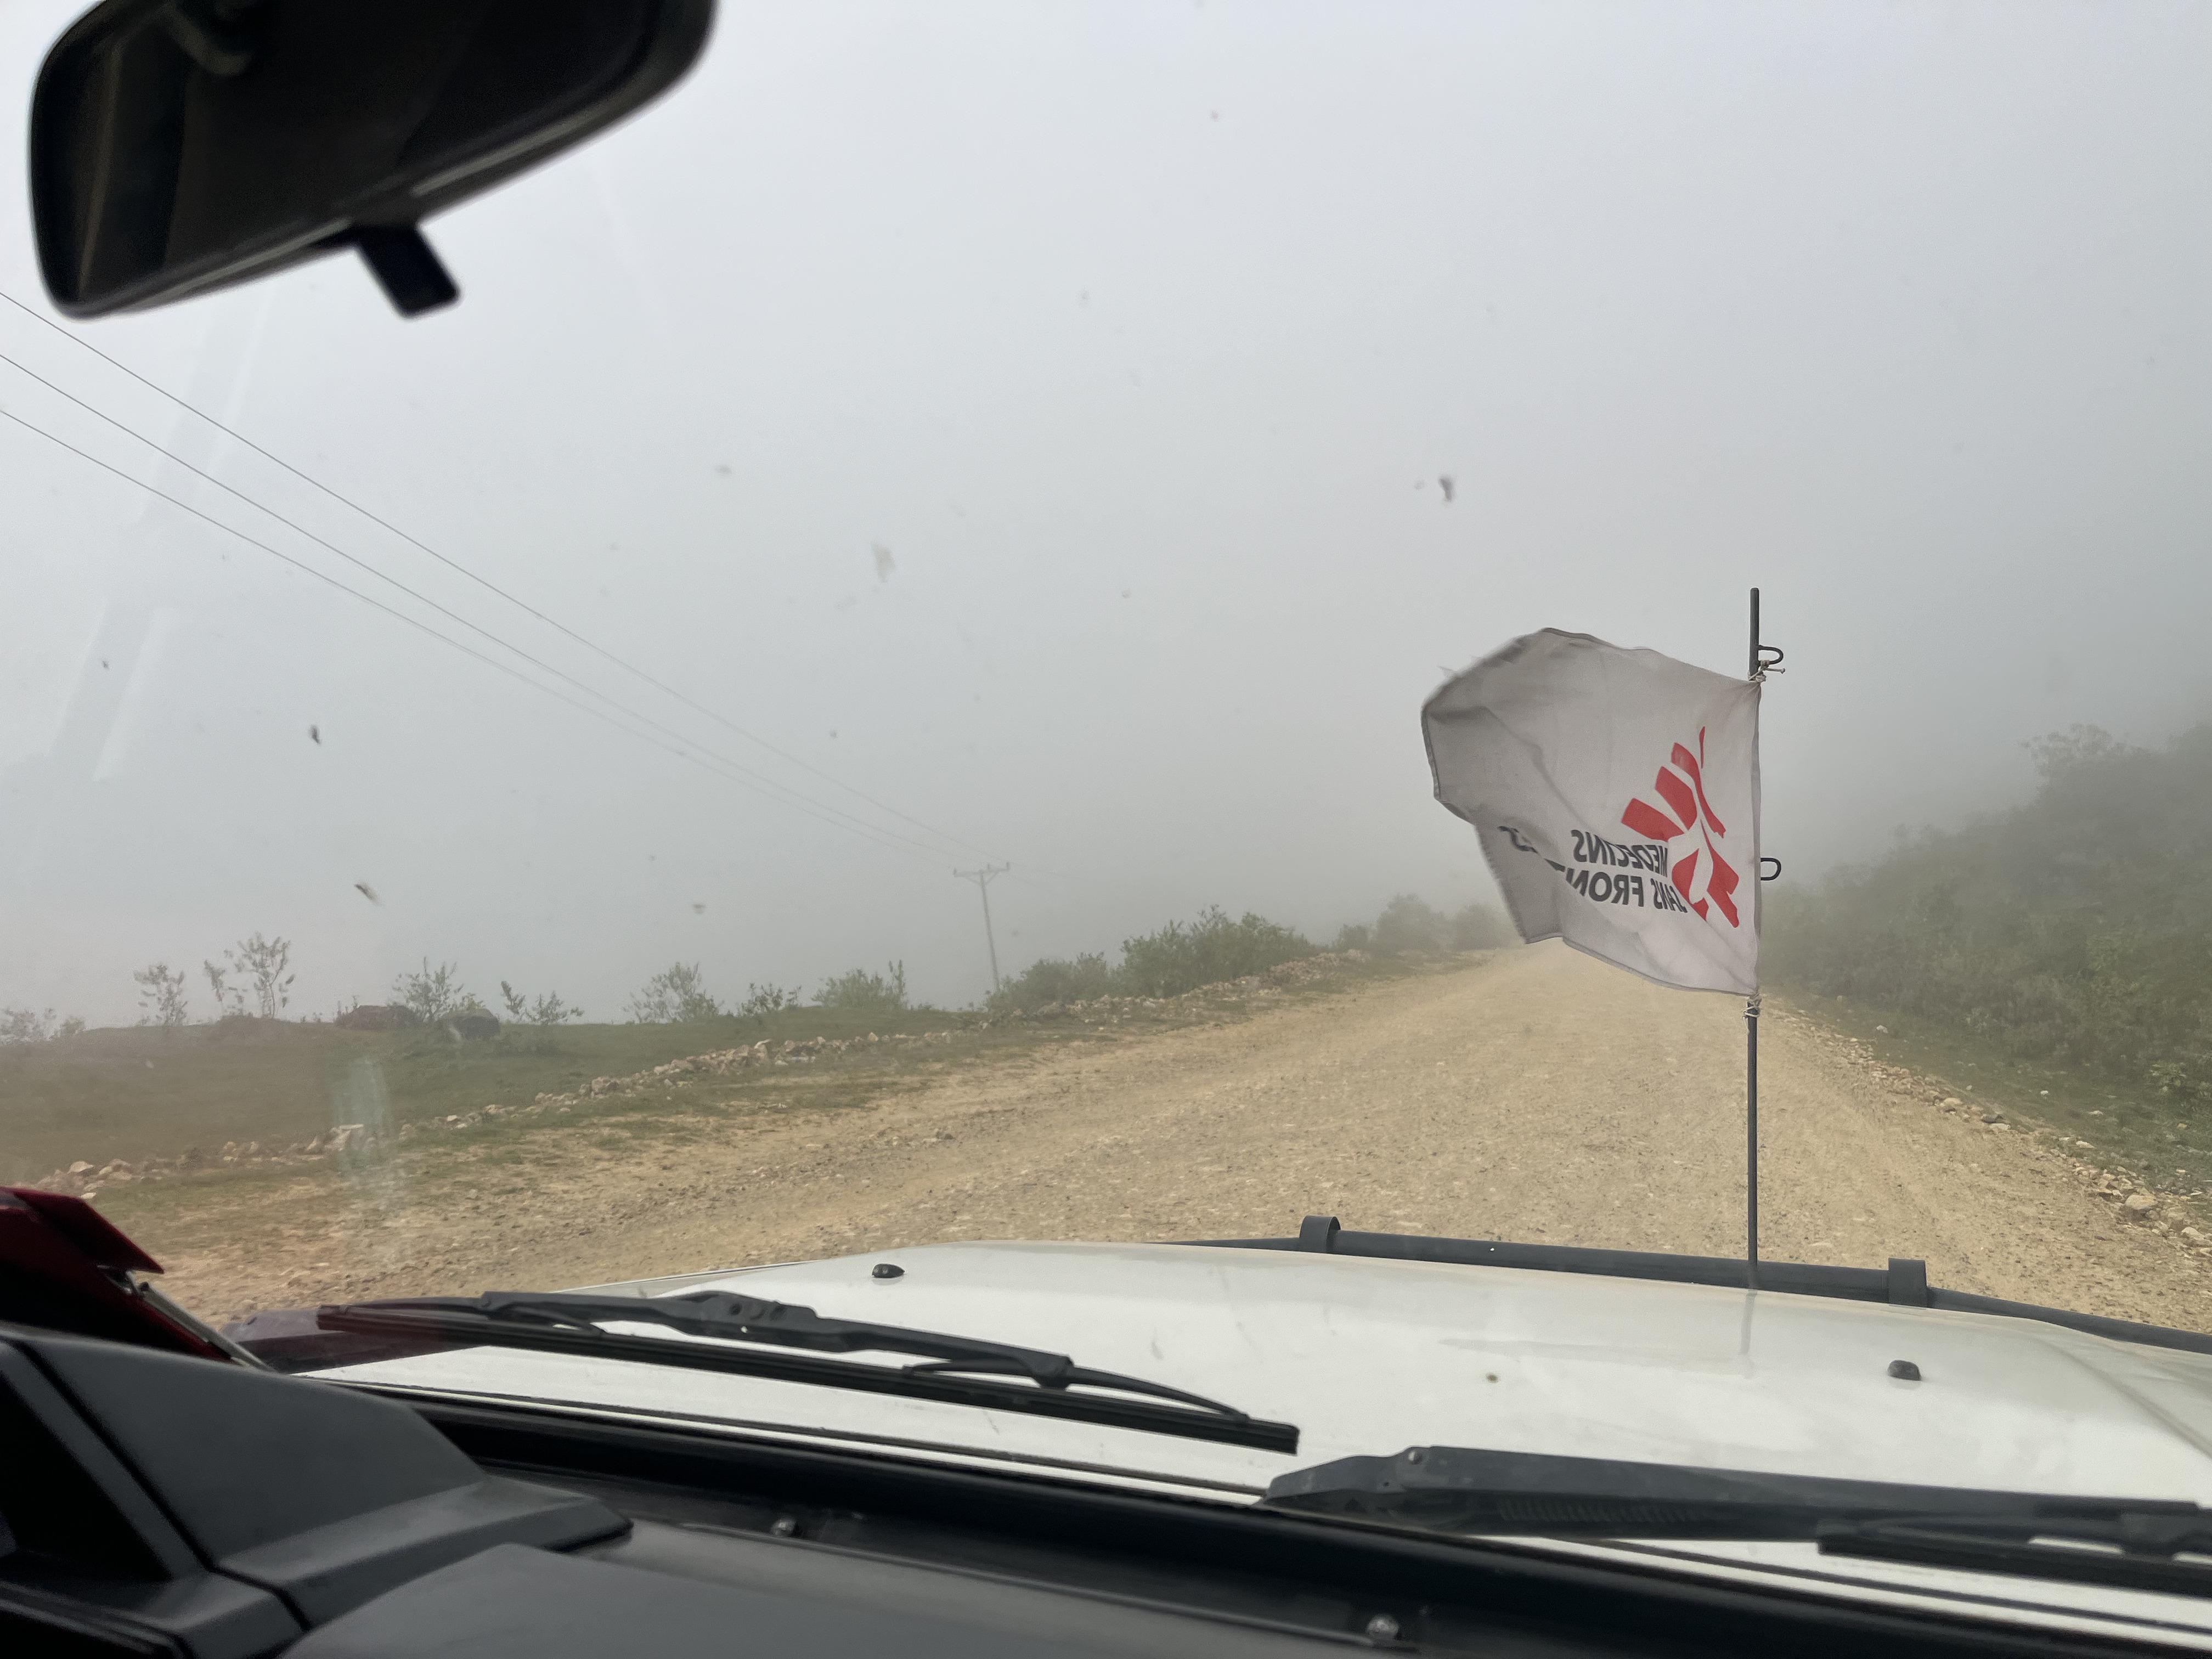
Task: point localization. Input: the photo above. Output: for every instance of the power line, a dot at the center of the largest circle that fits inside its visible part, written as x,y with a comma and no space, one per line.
784,793
699,758
485,582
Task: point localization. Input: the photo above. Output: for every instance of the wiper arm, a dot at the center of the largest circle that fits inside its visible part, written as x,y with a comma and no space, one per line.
1475,1492
960,1370
2152,1546
731,1317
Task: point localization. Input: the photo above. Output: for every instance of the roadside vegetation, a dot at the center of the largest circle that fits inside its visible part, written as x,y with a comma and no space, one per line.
2059,952
255,977
861,991
27,1025
1411,924
2077,927
1214,948
153,1092
675,996
172,1087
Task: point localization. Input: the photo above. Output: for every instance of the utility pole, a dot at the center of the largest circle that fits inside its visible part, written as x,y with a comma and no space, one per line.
982,879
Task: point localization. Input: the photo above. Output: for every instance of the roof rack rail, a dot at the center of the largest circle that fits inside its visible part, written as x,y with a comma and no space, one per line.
1903,1283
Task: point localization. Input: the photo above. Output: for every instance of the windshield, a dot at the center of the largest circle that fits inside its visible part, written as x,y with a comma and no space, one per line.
863,692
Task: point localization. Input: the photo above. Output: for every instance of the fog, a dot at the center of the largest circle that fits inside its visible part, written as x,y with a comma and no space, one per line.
1034,418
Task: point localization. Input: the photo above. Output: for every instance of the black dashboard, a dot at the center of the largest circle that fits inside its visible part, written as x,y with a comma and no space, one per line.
162,1504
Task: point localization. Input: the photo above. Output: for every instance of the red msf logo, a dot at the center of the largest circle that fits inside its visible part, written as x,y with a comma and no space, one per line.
1681,785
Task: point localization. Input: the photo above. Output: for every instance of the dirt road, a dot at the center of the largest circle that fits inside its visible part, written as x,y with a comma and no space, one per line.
1533,1096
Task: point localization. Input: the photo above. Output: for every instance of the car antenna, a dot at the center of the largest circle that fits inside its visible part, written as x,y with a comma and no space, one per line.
1763,657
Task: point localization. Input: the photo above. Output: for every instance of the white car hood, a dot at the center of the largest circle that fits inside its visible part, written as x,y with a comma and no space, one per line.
1372,1356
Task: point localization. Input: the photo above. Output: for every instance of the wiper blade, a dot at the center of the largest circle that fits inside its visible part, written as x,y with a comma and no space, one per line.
960,1370
2152,1546
1476,1491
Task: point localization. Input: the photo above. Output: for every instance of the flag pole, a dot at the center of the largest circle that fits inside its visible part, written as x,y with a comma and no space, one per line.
1751,1062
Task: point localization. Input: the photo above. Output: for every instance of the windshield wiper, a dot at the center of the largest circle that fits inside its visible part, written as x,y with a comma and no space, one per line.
1474,1492
961,1369
2152,1546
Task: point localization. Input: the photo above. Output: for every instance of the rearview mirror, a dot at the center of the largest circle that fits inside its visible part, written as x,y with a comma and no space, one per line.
183,145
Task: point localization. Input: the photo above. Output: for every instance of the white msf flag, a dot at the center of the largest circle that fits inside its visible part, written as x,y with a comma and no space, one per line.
1616,795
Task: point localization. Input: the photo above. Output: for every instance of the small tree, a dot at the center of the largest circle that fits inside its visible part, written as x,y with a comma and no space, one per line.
228,1004
265,963
1478,927
1055,979
862,992
761,1000
1408,923
161,995
2078,747
31,1025
26,1025
433,995
674,993
548,1010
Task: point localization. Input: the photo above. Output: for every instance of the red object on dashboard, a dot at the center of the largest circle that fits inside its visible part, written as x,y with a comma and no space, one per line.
64,1266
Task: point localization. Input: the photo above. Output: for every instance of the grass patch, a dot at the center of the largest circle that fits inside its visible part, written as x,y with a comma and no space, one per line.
2167,1143
210,1210
137,1092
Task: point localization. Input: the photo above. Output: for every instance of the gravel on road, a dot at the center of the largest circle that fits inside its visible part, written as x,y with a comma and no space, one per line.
1532,1094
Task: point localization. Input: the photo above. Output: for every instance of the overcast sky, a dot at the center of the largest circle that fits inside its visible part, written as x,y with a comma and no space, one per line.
1138,338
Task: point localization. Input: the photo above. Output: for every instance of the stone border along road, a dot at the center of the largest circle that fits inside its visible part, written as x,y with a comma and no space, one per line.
1531,1095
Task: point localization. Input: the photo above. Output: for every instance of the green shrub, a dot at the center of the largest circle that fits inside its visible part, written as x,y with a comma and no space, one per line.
762,1001
161,995
1178,957
862,992
674,995
1410,924
434,995
29,1025
548,1010
1057,980
1184,956
2077,926
1481,927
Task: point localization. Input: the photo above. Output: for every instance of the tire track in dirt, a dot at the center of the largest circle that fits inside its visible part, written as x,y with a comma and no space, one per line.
1531,1095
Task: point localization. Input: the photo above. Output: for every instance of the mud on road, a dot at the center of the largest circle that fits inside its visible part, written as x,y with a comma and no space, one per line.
1530,1094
